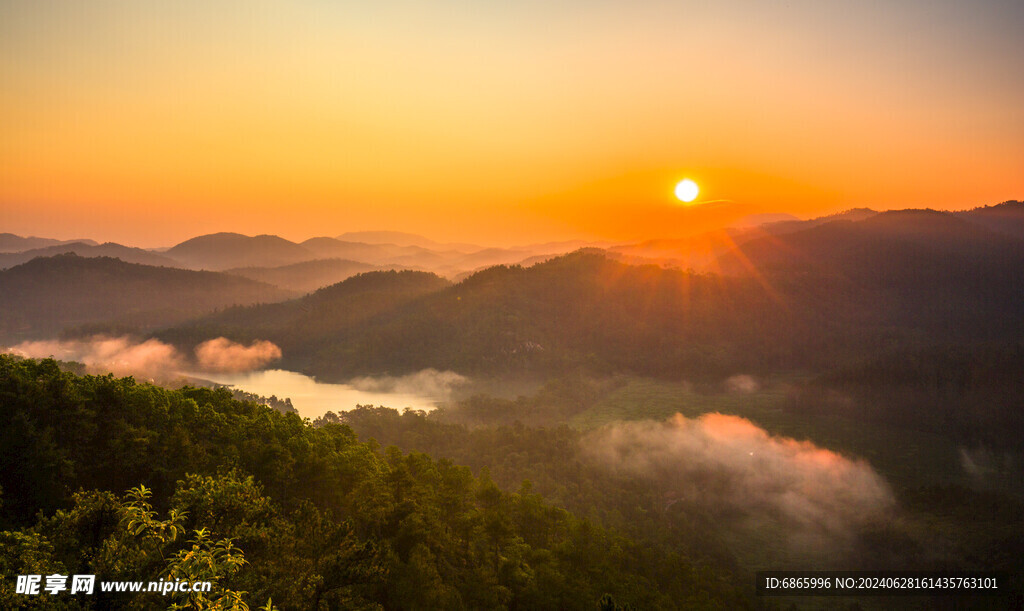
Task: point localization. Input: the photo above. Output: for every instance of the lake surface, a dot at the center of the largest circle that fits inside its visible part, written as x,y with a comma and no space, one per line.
313,399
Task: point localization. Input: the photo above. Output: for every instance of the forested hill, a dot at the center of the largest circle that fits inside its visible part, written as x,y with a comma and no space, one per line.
578,309
585,310
895,247
927,271
48,295
1007,217
808,299
315,518
299,326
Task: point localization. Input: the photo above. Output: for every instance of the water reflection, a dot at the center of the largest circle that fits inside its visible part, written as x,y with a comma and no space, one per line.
313,399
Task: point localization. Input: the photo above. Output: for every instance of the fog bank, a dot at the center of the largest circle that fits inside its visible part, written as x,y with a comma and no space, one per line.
427,383
150,358
728,467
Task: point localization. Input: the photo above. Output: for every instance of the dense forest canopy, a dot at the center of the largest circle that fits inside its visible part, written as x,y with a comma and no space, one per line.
317,516
306,514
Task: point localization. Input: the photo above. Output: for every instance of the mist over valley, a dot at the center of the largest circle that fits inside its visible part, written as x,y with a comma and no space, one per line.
831,393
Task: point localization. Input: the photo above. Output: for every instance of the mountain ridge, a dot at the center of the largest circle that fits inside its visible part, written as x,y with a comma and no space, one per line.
50,295
128,254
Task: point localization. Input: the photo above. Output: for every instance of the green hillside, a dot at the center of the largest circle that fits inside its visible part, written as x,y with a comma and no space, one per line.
271,508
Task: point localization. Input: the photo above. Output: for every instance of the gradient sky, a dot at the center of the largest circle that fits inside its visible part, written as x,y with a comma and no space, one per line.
149,122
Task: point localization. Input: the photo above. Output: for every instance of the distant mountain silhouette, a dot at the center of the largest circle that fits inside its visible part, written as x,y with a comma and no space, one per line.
307,276
809,294
923,269
757,220
14,243
401,238
375,254
50,294
504,256
698,252
694,252
449,263
835,291
224,251
880,244
125,253
1007,217
780,227
220,251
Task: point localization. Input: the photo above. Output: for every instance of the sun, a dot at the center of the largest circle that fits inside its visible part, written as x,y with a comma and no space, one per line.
687,190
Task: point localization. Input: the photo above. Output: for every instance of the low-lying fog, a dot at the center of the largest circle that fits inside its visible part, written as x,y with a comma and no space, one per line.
753,481
223,361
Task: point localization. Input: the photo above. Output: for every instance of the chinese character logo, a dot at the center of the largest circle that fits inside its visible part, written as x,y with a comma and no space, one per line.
28,584
83,584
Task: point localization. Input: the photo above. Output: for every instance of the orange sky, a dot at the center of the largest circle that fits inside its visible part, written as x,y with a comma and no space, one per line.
148,123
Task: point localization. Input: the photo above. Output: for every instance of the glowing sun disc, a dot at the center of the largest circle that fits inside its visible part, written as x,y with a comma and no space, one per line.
687,190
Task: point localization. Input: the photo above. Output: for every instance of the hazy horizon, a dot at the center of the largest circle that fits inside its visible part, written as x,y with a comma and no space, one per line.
511,124
742,220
